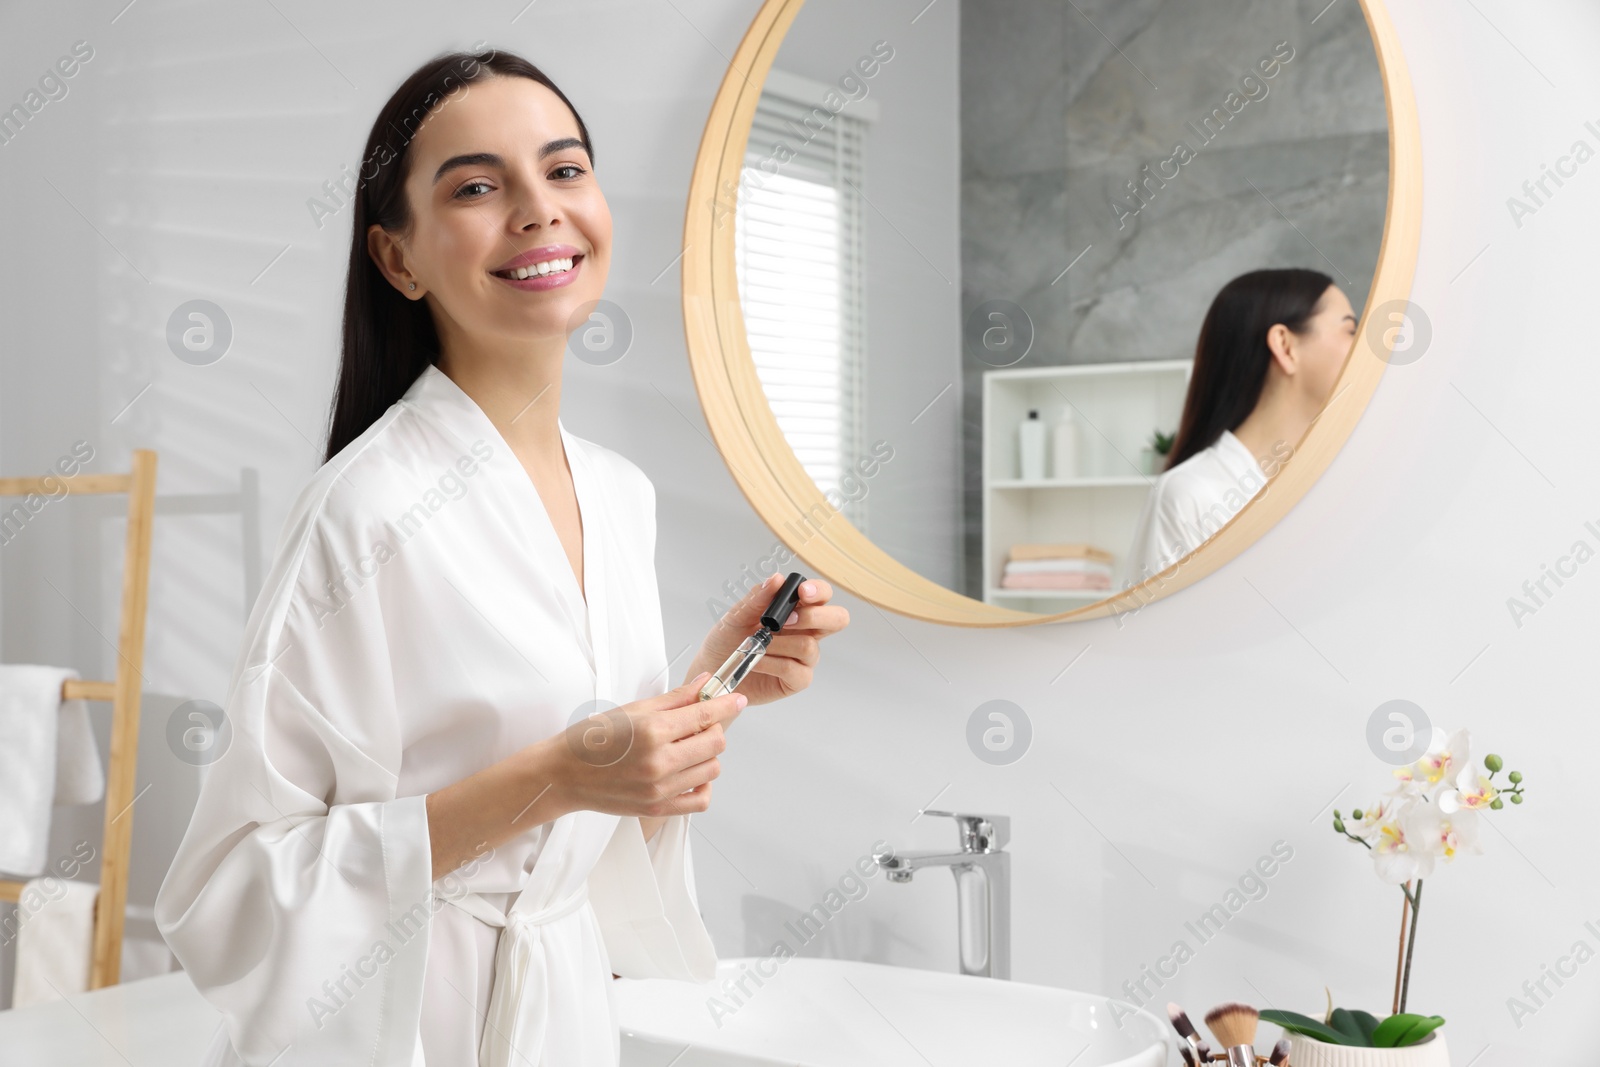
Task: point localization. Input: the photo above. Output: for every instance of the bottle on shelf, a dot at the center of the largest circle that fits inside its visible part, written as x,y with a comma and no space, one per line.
1031,448
1064,446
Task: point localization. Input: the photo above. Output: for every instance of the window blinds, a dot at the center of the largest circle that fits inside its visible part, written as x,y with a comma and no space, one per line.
798,246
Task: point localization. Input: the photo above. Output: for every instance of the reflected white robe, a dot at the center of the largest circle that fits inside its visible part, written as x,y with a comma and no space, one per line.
421,621
1190,503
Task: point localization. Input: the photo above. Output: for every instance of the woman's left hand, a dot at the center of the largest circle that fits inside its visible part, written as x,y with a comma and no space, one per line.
794,651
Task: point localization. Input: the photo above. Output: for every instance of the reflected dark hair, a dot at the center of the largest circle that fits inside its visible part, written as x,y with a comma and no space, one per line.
389,340
1231,358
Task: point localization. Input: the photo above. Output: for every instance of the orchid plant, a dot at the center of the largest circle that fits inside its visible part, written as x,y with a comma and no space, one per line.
1431,816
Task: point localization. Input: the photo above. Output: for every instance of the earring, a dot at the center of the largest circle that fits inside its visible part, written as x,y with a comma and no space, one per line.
413,285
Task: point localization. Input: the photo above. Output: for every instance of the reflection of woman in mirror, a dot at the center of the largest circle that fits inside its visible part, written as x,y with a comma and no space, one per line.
455,801
1270,349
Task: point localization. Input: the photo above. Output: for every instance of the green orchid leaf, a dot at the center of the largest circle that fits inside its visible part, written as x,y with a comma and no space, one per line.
1296,1023
1396,1030
1389,1031
1345,1022
1368,1023
1422,1029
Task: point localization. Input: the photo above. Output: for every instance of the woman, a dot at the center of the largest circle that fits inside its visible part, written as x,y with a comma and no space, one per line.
1270,349
419,847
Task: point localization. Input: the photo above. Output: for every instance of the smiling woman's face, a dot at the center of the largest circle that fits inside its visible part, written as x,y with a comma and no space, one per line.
499,177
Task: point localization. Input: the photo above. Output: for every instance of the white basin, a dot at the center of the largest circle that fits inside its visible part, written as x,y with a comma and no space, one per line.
840,1013
812,1013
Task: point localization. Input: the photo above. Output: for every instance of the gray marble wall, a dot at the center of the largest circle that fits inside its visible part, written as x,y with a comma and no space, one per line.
1062,105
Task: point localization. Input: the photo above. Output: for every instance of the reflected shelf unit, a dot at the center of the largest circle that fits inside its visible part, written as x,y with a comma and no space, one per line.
1116,406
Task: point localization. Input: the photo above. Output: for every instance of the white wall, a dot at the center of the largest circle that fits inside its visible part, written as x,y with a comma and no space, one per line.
1212,725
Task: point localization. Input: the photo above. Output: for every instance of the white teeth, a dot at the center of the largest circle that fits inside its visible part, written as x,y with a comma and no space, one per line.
549,266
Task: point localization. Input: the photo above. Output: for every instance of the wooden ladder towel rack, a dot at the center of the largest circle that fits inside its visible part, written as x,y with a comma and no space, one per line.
123,694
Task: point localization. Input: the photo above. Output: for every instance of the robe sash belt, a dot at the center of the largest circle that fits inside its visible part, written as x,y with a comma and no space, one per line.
513,1031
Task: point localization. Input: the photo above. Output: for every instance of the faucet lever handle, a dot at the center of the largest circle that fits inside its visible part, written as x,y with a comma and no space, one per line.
979,832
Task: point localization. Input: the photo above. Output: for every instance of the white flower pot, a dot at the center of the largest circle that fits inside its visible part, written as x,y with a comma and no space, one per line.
1309,1052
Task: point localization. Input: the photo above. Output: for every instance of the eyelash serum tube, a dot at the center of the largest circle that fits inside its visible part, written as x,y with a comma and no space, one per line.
750,651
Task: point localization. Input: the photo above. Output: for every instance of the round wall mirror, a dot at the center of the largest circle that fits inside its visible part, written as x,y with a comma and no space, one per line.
1010,312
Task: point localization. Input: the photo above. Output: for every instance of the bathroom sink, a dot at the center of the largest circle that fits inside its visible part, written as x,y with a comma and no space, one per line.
840,1013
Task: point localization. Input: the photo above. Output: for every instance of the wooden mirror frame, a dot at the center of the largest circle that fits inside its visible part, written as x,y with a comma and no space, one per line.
777,486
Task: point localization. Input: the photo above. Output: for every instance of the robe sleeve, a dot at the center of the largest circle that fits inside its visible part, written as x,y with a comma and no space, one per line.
644,897
1166,532
300,899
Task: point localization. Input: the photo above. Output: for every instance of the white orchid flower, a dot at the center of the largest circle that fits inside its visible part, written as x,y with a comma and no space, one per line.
1443,762
1471,791
1429,829
1373,818
1399,853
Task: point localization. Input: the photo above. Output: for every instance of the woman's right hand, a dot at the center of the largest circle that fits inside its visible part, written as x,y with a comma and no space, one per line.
652,758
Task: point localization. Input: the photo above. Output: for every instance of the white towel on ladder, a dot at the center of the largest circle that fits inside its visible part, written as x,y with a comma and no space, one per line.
49,758
55,940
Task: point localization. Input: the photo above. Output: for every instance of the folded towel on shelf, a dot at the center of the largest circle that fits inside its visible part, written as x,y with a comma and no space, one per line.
1057,566
55,940
1067,580
49,758
1075,550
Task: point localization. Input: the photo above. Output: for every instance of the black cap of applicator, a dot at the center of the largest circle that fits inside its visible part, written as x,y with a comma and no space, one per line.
784,603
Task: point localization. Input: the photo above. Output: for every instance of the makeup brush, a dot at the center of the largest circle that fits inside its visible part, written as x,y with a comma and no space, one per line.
1280,1052
1188,1057
1235,1027
1202,1052
1186,1030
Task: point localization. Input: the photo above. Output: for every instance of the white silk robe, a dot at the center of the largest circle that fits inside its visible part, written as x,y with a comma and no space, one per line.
422,621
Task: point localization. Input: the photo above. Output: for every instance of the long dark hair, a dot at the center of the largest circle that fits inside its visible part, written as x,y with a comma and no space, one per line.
389,340
1231,358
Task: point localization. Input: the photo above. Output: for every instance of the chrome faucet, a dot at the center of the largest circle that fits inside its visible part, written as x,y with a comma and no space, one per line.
983,888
